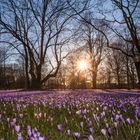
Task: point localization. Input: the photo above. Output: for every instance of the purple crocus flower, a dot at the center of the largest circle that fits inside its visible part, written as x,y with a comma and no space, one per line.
21,116
68,132
103,114
103,131
90,137
137,112
85,117
110,131
14,120
122,119
117,117
115,124
32,138
8,119
29,133
107,125
17,128
18,107
82,124
38,134
59,127
78,112
77,135
84,111
41,138
91,129
128,120
51,119
34,133
28,127
19,137
90,123
12,123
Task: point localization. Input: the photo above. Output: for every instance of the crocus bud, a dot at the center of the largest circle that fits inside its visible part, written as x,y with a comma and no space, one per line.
77,135
17,128
68,132
90,137
59,127
103,132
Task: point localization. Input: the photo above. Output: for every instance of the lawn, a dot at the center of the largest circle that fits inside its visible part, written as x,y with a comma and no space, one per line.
70,115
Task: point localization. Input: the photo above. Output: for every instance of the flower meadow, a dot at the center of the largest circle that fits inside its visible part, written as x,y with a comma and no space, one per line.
69,115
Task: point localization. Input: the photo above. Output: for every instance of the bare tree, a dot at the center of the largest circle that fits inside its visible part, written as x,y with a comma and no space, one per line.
125,16
117,65
4,55
129,20
72,74
2,67
41,28
95,45
120,68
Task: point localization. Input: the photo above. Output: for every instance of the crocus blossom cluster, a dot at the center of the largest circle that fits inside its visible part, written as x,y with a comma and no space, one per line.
79,114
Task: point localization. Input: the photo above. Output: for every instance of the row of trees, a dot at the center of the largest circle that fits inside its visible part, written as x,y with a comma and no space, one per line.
44,33
115,70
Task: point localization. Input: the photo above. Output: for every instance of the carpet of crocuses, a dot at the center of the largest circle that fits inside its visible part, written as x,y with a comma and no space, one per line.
70,115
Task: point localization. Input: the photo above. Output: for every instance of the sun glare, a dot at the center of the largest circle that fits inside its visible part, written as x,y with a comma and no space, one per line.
82,65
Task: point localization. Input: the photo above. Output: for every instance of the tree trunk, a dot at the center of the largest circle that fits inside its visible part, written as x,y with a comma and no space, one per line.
109,79
27,84
118,80
27,80
94,78
36,78
127,73
35,84
118,76
137,64
35,81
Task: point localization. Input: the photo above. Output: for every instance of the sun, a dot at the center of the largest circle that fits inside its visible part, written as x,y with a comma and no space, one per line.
82,65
